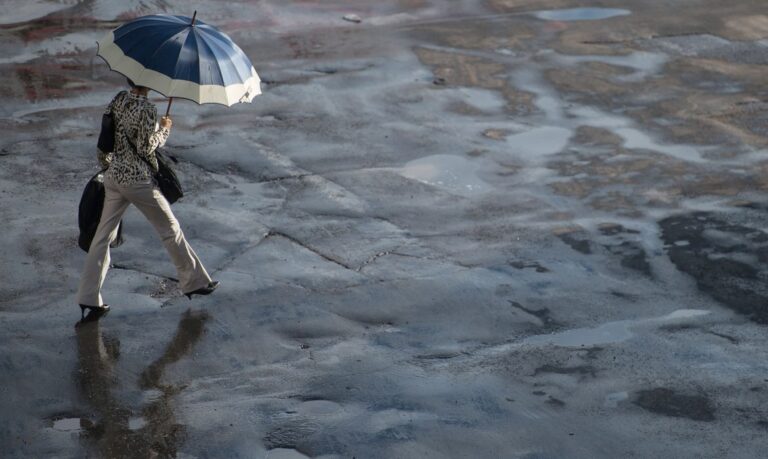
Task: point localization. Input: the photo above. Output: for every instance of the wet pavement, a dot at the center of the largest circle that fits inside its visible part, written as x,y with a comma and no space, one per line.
498,228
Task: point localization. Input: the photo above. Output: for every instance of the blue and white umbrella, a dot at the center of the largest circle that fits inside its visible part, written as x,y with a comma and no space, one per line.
180,57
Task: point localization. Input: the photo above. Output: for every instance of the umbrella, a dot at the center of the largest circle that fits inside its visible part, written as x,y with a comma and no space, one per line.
180,57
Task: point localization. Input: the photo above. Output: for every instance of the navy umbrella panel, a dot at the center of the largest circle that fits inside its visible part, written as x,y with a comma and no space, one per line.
181,57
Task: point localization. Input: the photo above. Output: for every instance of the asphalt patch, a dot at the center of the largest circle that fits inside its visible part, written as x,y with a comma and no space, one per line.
716,253
669,403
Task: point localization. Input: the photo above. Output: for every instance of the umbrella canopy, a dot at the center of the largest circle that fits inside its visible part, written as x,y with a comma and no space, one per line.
180,57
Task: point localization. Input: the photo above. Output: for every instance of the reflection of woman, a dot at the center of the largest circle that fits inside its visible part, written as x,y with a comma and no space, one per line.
96,382
111,432
128,180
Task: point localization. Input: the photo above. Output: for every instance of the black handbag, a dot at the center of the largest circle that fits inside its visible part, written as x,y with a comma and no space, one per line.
166,178
106,141
89,213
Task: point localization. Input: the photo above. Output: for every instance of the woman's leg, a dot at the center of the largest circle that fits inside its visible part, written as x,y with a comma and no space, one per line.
97,260
151,202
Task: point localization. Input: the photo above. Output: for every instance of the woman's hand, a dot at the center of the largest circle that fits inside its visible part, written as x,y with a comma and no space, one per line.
166,122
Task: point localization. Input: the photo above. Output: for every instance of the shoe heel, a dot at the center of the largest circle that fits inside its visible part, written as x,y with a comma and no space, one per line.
94,312
207,290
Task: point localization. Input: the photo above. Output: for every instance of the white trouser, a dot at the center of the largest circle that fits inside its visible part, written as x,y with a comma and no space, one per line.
151,202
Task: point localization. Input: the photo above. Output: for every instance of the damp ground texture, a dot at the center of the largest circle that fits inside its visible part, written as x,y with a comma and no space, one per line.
447,229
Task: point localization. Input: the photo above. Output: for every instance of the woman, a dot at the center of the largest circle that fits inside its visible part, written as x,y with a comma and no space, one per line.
128,180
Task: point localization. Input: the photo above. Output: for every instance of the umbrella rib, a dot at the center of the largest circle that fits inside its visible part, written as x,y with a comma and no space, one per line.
225,42
158,50
178,61
218,68
140,42
215,42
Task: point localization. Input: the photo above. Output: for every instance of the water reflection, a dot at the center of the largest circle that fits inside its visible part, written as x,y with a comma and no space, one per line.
580,14
116,431
453,173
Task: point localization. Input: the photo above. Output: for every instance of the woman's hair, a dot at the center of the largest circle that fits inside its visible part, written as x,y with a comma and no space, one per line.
134,85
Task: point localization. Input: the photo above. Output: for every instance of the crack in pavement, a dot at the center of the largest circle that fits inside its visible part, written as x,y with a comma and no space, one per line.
225,263
372,259
311,249
149,273
285,177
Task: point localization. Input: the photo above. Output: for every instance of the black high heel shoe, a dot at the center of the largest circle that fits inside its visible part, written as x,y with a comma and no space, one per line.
94,312
207,290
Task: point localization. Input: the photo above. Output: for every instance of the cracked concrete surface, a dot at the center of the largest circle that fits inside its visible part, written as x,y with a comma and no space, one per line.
502,228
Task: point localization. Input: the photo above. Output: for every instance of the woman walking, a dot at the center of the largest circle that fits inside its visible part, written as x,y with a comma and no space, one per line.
129,180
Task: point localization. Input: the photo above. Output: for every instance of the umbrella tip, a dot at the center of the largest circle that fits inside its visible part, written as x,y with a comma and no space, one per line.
194,15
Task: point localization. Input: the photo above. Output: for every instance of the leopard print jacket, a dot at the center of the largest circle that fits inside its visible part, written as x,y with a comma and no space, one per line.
135,120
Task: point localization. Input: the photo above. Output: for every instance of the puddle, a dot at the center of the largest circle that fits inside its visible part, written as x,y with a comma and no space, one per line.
638,140
643,63
549,140
450,172
481,99
633,139
613,400
543,141
611,332
580,14
136,423
547,100
67,424
318,408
